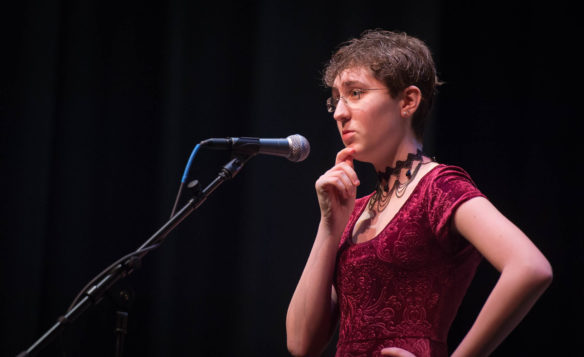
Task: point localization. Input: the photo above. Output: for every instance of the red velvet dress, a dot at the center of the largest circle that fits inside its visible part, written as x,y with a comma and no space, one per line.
403,287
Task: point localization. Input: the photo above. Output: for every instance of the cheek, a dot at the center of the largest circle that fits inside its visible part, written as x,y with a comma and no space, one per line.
388,118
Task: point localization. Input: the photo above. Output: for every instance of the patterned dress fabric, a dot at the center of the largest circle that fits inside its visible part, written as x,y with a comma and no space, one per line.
403,287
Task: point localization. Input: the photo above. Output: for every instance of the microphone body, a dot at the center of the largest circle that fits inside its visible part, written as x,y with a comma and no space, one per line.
295,147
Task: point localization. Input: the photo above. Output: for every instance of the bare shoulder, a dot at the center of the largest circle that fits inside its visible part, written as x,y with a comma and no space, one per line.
429,166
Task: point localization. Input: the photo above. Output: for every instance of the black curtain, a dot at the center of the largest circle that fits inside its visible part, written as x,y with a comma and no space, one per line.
102,103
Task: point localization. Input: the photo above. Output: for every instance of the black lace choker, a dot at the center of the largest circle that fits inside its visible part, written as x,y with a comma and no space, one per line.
383,193
399,166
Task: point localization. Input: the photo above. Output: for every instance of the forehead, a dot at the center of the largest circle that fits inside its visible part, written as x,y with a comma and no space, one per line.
355,76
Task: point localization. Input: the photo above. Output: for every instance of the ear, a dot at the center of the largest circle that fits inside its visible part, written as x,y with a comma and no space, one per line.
411,97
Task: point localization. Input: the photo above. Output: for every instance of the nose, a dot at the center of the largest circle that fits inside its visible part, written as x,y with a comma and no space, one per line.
342,112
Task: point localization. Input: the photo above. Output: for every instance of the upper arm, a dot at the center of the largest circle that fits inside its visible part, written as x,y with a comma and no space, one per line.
495,237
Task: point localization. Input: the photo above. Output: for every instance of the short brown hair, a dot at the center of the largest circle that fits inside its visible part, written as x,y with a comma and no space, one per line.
396,59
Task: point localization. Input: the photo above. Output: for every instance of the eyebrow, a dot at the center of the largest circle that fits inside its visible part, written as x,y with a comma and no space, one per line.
351,83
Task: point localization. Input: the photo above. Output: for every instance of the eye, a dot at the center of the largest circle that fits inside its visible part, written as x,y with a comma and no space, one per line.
355,93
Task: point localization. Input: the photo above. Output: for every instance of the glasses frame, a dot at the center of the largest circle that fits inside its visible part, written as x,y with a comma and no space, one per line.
331,102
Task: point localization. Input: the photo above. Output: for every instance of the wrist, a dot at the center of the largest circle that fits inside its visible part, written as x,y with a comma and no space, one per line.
330,229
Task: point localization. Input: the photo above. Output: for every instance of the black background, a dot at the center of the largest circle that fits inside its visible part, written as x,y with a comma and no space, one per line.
102,103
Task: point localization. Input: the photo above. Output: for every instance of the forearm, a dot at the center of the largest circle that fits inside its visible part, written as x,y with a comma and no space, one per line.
310,318
516,291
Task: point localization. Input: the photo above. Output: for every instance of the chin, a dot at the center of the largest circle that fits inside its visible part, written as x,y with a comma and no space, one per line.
353,146
358,153
362,156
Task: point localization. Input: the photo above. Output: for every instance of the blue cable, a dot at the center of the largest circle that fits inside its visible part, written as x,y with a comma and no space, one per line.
184,179
188,167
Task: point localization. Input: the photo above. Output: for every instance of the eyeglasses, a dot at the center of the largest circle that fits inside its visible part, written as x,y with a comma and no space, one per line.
351,99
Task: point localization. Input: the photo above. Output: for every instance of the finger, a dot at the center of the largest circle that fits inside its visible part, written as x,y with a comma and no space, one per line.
350,172
390,352
339,182
346,182
345,155
396,352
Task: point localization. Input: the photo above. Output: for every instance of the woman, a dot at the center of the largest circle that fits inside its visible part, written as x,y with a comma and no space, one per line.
392,267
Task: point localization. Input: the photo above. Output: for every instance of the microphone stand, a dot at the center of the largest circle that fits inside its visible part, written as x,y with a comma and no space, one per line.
95,293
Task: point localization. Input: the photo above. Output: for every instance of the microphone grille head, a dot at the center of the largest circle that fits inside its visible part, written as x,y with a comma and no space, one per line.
299,148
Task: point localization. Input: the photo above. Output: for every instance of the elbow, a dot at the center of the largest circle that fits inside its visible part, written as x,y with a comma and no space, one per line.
296,347
303,346
300,343
294,342
542,271
307,338
539,272
533,273
546,274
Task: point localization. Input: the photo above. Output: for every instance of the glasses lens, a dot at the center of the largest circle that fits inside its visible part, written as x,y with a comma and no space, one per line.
330,106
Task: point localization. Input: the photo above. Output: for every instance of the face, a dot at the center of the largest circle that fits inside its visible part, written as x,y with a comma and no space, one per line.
368,118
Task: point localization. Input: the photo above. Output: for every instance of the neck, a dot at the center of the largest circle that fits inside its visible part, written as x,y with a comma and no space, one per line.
399,167
390,179
400,153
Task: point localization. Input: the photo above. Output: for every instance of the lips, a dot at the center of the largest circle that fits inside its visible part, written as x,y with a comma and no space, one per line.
347,134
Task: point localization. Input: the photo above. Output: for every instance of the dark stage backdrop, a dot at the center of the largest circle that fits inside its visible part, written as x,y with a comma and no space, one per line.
102,103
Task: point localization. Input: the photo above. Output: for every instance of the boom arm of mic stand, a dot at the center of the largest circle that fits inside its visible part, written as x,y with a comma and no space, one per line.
95,294
228,172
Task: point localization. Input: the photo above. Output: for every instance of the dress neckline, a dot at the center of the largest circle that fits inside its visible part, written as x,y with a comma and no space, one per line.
397,213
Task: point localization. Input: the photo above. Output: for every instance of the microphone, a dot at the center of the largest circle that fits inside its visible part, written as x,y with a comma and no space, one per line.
295,147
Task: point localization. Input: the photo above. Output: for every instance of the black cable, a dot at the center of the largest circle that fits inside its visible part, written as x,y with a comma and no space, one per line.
108,269
177,199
